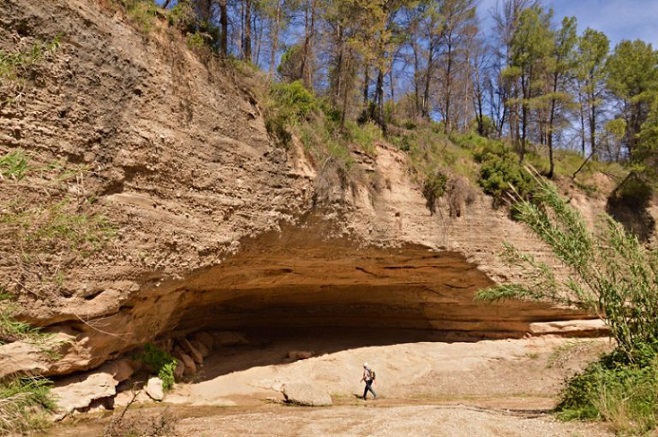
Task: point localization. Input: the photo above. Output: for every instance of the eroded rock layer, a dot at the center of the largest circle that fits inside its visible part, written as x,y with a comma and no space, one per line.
213,226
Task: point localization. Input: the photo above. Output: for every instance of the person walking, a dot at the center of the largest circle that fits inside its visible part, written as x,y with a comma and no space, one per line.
368,378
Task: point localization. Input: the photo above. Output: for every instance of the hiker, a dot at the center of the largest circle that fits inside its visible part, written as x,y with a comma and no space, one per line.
368,378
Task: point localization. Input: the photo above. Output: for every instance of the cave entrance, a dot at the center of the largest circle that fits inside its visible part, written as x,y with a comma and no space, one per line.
331,295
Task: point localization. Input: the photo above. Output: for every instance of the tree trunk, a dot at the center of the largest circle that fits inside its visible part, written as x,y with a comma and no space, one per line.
223,23
309,32
379,99
366,87
246,49
275,37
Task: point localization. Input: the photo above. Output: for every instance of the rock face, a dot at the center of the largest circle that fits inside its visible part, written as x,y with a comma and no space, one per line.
305,395
211,226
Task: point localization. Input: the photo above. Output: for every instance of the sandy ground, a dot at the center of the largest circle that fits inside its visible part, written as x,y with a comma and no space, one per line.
486,388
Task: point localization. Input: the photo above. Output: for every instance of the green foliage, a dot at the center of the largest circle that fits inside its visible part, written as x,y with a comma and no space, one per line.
182,16
161,363
298,101
24,403
142,13
645,157
13,63
10,328
622,393
364,136
290,104
58,227
612,275
13,165
433,189
195,41
502,174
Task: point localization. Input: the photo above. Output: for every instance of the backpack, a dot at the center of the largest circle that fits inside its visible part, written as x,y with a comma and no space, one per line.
372,374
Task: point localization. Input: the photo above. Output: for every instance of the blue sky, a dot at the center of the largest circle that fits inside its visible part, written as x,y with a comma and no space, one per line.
618,19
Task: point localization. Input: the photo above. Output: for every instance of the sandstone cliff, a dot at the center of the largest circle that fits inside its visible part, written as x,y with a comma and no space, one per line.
168,210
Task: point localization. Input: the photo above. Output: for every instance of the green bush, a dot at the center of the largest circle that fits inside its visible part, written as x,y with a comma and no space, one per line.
195,41
433,189
294,99
364,136
613,389
290,104
161,363
501,174
141,13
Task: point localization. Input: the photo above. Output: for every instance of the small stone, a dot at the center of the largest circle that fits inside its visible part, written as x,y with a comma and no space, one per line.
306,395
154,389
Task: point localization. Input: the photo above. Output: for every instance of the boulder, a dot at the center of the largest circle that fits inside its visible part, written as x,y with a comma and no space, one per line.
179,371
191,350
201,348
154,389
229,338
188,363
27,358
300,355
75,394
306,395
206,339
120,370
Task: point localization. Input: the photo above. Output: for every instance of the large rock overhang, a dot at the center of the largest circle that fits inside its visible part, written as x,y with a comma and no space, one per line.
294,281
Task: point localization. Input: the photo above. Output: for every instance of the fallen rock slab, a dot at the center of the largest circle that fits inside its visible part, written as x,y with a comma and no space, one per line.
305,395
229,338
188,362
73,394
300,355
570,328
206,339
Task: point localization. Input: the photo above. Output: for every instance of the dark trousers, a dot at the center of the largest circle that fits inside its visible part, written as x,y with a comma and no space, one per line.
368,388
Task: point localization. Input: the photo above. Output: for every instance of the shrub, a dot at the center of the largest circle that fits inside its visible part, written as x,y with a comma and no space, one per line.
433,189
142,13
501,174
161,363
182,16
195,41
622,393
364,136
290,104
